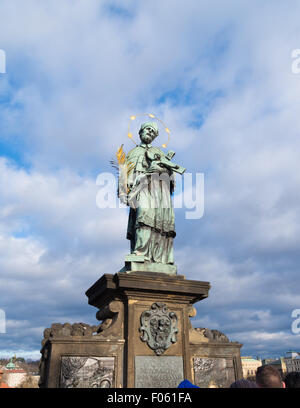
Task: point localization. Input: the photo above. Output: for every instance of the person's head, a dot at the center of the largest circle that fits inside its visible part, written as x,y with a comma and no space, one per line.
292,380
243,384
268,376
148,132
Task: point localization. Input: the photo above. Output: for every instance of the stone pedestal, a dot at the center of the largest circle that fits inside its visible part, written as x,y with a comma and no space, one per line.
156,295
145,338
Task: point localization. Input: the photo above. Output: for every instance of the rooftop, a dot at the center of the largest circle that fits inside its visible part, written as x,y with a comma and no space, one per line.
247,358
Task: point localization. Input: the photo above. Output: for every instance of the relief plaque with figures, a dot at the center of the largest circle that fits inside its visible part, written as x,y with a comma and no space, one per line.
87,372
213,372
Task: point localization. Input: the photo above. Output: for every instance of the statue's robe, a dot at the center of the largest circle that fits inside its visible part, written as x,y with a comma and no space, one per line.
151,223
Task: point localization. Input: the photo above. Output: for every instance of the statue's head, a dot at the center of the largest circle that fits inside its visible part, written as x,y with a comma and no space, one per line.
148,132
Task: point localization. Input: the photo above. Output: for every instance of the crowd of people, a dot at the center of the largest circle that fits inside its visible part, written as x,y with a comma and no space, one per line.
267,376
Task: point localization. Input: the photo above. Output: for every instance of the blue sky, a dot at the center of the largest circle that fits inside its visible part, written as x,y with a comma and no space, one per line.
219,75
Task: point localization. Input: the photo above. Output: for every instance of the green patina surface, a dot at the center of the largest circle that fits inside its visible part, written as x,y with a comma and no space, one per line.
151,223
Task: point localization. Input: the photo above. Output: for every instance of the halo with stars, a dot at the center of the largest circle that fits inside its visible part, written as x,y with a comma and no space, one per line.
150,115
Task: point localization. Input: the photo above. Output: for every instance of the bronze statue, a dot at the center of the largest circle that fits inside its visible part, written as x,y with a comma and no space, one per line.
146,184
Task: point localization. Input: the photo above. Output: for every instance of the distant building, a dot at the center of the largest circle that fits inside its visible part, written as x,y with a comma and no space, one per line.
14,375
292,361
250,366
2,383
267,361
10,365
279,363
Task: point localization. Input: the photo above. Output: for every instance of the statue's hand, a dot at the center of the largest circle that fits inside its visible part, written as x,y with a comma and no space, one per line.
156,167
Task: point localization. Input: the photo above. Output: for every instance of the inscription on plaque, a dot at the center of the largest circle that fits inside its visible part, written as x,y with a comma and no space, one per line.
158,371
213,372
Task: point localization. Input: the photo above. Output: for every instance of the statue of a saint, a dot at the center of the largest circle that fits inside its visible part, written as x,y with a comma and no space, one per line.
148,188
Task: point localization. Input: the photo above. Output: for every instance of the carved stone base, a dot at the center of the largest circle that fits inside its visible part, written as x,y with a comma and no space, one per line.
145,328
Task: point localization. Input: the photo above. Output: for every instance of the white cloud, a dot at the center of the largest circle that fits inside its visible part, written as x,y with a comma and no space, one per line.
220,76
59,254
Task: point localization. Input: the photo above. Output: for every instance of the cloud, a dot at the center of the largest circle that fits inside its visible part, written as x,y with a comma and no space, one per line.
51,232
219,75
